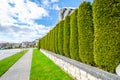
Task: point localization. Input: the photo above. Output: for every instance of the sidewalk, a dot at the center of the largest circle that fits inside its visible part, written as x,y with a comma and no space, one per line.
21,69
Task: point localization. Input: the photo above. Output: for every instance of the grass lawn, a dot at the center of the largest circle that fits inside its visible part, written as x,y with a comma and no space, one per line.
6,63
44,69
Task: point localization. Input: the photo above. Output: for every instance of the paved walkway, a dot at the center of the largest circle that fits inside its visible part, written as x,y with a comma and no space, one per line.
21,69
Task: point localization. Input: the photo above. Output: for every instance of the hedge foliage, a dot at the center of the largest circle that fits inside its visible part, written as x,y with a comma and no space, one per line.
107,33
56,38
38,44
74,36
60,37
85,33
66,44
49,41
52,40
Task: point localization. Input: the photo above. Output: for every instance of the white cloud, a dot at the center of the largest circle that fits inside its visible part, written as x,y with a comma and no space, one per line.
15,12
17,19
50,4
45,2
54,1
5,18
23,33
24,12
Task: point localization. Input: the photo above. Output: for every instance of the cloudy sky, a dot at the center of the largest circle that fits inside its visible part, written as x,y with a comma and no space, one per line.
27,20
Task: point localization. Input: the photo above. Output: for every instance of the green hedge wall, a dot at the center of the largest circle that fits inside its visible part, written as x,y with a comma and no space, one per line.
56,38
47,39
85,33
53,40
60,37
107,33
43,43
49,44
50,40
66,45
38,44
74,36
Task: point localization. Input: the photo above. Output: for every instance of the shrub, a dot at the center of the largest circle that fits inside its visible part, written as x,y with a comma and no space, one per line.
38,44
53,39
51,46
66,48
60,37
74,50
42,43
56,38
85,33
47,42
107,33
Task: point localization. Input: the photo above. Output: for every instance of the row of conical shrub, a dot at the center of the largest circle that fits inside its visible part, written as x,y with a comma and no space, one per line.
91,34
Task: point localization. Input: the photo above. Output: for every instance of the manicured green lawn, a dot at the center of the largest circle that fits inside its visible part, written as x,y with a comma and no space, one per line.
44,69
6,63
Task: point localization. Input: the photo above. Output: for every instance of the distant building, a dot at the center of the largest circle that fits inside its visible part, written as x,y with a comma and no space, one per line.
64,12
15,45
24,44
5,46
27,44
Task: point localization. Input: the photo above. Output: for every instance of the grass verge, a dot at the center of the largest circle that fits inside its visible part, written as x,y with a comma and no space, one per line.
6,63
44,69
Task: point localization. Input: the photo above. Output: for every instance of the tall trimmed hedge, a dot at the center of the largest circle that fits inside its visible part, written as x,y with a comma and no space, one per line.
53,40
38,44
85,33
44,45
47,37
107,33
56,38
43,42
60,37
50,40
66,45
74,50
47,41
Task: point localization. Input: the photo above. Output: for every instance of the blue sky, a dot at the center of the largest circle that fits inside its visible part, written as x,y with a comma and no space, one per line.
27,20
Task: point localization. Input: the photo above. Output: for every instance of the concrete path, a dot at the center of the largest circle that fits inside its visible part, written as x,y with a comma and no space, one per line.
21,69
